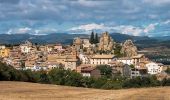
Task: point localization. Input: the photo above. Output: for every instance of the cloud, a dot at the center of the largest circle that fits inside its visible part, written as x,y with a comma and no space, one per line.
27,30
19,31
129,16
129,29
10,1
124,29
157,2
166,22
150,27
89,27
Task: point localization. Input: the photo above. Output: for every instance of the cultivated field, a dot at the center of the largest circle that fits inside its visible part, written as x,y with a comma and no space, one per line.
33,91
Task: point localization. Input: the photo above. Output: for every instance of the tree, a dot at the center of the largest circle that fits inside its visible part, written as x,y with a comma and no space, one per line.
105,71
57,76
96,38
168,70
44,78
92,38
117,50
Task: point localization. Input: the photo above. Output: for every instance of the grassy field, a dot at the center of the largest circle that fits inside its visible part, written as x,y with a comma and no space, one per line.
34,91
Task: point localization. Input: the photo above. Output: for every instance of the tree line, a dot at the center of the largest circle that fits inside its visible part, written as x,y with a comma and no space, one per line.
60,76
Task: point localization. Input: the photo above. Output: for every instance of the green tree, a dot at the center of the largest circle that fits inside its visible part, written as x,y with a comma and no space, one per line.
168,70
92,38
43,77
132,66
57,76
105,70
110,84
73,78
96,40
117,50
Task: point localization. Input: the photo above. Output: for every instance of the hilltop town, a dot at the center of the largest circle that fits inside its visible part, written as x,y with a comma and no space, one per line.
83,56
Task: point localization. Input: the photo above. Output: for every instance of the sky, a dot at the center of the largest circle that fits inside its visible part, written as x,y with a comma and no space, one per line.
133,17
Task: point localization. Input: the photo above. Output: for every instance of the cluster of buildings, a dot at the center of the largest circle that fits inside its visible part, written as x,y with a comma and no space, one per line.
81,56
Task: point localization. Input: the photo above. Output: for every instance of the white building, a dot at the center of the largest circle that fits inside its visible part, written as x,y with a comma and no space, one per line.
26,47
2,47
132,60
101,59
71,64
126,60
84,59
86,43
154,68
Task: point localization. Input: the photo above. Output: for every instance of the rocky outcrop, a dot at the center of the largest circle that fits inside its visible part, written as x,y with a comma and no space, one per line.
106,42
129,49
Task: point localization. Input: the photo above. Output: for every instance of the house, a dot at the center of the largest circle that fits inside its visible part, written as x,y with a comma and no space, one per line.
84,59
77,44
2,47
90,72
101,59
68,60
49,48
126,70
4,52
86,43
116,67
129,72
71,63
58,47
26,47
139,58
133,60
154,68
138,73
126,60
52,65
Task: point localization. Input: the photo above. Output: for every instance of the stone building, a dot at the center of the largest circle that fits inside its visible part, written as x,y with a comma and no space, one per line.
77,44
101,59
26,47
69,61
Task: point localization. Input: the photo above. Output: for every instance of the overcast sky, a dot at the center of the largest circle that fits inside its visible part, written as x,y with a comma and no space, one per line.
134,17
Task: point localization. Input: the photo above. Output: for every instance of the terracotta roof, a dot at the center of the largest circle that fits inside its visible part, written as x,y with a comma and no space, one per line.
160,64
125,58
87,69
138,56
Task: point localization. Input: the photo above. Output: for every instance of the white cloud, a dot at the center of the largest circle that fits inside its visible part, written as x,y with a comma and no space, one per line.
91,3
166,22
19,30
44,31
150,27
23,30
124,29
90,27
157,2
129,29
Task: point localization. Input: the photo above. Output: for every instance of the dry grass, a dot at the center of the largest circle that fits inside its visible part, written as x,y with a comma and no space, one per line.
33,91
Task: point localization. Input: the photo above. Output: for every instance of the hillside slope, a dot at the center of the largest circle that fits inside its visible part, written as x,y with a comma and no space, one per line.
34,91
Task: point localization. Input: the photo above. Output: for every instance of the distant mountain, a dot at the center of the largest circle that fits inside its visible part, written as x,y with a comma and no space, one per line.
162,38
41,39
118,37
65,38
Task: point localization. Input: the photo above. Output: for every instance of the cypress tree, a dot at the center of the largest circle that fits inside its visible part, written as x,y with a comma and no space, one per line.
92,38
96,38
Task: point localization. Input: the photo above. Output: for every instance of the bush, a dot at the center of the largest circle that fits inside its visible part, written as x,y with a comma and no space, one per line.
105,71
